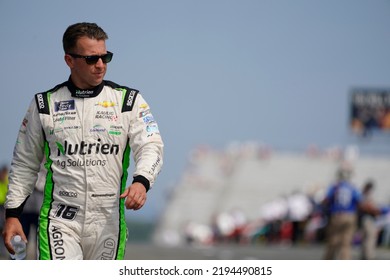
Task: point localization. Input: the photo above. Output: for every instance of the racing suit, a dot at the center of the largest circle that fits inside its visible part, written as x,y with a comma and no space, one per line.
84,139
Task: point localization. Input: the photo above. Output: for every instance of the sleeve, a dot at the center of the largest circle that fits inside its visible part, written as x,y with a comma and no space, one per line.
25,165
146,143
329,193
358,196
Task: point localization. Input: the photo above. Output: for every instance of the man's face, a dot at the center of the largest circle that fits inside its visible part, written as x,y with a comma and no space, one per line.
86,76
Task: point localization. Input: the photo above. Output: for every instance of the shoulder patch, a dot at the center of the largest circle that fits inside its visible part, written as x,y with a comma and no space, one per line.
129,100
42,103
42,100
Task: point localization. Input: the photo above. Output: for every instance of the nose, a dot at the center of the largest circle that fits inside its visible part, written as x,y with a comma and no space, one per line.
99,63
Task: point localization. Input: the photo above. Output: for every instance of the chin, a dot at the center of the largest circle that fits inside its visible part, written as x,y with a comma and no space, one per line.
97,82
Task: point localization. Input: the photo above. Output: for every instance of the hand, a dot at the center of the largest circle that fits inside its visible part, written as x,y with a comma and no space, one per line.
12,227
135,196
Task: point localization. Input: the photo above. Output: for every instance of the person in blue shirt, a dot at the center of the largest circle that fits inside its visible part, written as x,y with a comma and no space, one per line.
342,201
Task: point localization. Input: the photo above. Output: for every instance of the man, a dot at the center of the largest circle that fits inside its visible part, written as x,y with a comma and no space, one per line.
343,201
83,130
370,221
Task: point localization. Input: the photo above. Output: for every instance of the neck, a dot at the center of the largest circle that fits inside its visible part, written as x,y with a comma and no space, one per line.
84,93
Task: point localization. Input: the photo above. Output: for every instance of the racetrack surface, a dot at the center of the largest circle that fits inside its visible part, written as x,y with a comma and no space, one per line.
150,251
236,252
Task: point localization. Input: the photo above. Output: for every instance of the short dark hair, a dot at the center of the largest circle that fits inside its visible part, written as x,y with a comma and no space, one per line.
368,186
82,29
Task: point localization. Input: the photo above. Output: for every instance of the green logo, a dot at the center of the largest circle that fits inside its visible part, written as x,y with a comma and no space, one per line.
60,148
114,132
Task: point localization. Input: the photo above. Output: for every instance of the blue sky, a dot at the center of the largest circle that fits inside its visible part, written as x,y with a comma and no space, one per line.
276,72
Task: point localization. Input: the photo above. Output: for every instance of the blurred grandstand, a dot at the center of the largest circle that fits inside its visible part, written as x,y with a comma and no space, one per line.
249,193
228,200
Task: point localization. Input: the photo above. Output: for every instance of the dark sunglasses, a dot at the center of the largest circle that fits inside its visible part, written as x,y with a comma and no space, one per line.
93,59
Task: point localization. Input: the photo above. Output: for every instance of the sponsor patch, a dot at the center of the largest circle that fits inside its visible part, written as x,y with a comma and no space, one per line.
106,115
129,98
97,128
67,194
144,113
153,128
56,131
66,105
115,130
148,119
106,104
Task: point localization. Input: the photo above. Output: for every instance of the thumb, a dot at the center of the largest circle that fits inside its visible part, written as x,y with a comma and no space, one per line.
125,193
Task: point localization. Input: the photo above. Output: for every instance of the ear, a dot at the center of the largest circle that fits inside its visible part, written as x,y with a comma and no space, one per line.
69,61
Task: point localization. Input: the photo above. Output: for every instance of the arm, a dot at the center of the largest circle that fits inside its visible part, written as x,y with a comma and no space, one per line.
27,156
369,208
147,147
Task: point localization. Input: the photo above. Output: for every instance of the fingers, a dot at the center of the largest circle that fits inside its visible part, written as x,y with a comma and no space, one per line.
135,196
125,193
9,247
12,228
7,242
135,201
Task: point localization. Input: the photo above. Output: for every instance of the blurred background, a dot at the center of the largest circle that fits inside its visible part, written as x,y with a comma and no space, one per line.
259,103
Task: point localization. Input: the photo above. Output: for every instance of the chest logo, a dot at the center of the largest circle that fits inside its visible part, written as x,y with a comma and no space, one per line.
65,105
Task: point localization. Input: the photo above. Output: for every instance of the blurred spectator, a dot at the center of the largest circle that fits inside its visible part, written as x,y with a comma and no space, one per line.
341,201
314,228
299,210
274,213
383,224
371,221
385,122
3,194
198,234
367,223
225,227
240,222
229,226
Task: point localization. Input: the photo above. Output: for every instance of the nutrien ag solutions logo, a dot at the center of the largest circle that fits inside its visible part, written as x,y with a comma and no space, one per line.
84,148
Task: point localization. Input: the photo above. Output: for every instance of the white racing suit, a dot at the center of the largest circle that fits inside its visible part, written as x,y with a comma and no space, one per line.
84,138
